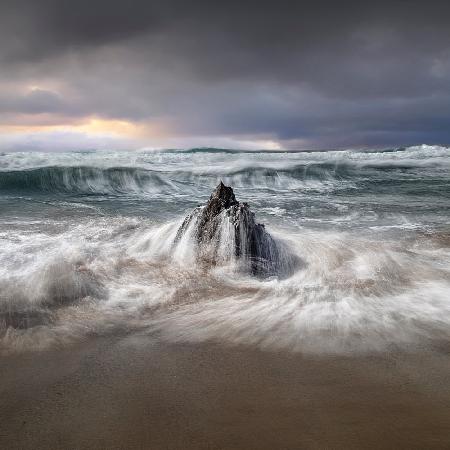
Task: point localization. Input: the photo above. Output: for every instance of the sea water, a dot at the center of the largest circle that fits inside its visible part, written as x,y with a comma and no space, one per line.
87,249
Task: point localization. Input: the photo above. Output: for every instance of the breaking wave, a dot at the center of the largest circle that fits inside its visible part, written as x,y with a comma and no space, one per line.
171,172
85,180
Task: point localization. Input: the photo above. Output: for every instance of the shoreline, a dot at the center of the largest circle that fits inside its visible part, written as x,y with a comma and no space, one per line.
140,392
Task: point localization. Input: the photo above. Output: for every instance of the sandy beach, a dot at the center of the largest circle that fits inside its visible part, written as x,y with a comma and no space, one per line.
140,393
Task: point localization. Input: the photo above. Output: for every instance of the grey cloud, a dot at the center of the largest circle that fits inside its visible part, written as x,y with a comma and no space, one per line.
36,101
329,73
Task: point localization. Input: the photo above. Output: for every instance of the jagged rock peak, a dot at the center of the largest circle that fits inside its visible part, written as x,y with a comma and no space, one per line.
221,198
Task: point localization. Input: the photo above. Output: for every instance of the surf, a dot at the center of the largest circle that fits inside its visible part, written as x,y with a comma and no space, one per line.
89,247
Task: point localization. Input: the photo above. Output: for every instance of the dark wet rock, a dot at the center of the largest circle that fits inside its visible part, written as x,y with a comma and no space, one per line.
221,199
225,228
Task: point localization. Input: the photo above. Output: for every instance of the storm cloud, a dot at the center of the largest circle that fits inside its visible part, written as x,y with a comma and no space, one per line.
300,74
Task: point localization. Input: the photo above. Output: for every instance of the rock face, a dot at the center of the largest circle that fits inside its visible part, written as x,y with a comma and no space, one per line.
226,229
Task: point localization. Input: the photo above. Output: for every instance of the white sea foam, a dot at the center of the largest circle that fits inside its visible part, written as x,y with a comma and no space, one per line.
353,293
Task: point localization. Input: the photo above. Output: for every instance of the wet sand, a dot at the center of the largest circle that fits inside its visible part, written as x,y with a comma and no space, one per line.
140,393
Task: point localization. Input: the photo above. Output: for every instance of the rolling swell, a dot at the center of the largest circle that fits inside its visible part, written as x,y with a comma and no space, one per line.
319,171
172,173
122,180
83,180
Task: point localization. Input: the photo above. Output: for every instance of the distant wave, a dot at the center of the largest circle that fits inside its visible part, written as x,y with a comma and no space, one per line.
122,180
178,173
80,179
280,151
131,180
209,150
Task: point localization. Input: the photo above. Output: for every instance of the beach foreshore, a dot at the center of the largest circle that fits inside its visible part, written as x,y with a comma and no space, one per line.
138,392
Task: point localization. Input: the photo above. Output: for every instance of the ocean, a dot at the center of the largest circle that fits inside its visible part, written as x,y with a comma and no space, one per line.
87,248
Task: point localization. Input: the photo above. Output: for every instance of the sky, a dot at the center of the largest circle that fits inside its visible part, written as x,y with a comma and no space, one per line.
109,74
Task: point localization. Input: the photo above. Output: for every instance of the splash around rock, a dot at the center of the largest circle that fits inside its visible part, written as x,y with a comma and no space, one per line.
225,230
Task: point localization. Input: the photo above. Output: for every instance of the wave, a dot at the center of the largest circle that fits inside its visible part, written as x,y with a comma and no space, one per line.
142,158
208,150
44,281
180,177
84,180
281,151
129,180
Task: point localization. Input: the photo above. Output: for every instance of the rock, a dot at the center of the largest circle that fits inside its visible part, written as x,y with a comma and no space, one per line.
226,229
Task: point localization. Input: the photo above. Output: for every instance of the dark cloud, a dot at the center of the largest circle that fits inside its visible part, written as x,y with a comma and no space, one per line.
37,101
325,72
